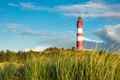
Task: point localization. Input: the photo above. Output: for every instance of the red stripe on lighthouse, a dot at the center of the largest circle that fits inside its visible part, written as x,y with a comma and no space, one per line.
79,23
79,34
79,43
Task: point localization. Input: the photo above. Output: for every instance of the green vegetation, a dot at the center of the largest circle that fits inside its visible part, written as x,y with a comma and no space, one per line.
59,64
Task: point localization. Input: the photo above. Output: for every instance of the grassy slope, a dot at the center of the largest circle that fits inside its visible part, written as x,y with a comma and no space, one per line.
60,65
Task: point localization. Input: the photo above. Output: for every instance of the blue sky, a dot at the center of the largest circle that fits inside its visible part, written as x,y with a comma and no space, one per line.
29,24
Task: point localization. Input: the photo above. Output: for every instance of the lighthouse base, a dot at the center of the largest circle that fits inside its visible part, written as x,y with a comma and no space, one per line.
79,48
79,45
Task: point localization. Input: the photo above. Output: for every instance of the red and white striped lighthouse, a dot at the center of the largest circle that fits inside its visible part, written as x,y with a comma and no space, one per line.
79,44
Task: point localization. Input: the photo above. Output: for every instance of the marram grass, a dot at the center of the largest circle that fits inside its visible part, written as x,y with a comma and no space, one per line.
67,65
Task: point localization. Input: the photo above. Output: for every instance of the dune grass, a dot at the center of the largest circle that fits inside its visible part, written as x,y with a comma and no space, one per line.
62,65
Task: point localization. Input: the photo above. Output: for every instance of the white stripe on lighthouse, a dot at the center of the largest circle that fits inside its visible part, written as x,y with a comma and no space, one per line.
80,30
79,38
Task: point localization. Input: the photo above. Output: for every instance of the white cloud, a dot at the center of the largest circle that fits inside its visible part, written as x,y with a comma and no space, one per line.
11,4
111,32
111,35
29,6
30,32
38,48
5,31
46,34
9,27
87,39
90,10
12,25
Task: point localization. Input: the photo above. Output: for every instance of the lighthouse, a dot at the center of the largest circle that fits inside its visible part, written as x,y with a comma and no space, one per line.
79,43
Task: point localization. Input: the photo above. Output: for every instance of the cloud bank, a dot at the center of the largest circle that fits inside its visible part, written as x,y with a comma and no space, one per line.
91,10
9,27
86,10
38,48
111,35
28,6
65,39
